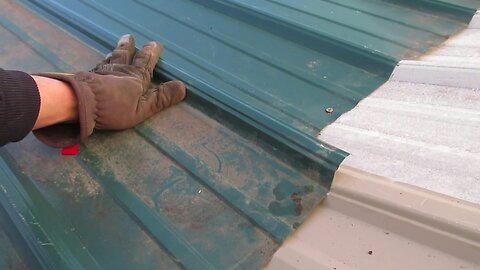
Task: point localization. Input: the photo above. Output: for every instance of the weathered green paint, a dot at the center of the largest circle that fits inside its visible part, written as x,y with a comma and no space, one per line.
92,215
252,209
259,52
10,258
46,235
221,180
166,235
138,193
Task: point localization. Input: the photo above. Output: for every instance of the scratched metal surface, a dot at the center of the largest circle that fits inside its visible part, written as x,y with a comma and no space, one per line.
195,187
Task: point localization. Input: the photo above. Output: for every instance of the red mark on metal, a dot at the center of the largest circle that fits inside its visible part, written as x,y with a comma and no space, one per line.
70,151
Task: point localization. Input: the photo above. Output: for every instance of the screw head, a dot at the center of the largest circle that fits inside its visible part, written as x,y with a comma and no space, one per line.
329,110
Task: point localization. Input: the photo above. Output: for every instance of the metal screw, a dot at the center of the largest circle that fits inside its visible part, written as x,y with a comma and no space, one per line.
329,110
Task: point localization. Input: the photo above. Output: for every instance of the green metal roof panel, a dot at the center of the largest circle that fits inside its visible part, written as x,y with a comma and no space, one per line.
178,191
9,257
259,52
222,179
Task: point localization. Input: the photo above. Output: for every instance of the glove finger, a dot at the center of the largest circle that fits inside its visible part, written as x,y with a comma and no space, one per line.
163,96
102,63
148,56
124,52
107,58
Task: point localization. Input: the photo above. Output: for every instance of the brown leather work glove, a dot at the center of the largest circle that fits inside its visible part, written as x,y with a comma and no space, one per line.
117,94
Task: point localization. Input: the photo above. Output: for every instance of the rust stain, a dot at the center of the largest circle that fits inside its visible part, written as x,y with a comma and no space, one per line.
297,199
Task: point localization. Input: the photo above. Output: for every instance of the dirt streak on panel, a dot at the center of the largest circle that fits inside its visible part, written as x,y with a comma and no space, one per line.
9,258
65,47
48,167
102,226
18,55
239,161
205,220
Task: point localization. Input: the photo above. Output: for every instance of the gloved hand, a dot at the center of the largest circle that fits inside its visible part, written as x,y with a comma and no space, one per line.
117,94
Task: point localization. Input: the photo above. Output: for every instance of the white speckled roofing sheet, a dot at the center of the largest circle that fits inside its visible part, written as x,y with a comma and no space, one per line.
422,127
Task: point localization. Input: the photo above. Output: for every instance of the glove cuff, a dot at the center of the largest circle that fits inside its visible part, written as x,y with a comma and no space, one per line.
68,134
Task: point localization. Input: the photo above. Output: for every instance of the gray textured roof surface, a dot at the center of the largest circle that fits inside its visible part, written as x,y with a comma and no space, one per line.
422,127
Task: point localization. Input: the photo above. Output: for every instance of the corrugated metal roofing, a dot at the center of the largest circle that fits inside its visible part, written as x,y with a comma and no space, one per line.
194,187
372,222
221,180
415,136
260,52
9,254
428,114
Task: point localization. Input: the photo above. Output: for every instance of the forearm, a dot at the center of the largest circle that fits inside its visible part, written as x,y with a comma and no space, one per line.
66,108
32,102
19,105
58,102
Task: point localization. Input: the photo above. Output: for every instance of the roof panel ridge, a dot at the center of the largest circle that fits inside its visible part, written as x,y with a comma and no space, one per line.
455,11
340,48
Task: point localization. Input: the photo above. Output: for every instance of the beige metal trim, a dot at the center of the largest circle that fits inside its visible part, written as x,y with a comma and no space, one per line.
402,226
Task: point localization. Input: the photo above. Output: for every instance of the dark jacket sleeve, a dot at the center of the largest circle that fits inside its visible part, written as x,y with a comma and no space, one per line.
19,105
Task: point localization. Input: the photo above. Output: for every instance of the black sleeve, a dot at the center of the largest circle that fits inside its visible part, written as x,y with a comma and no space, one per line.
19,105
